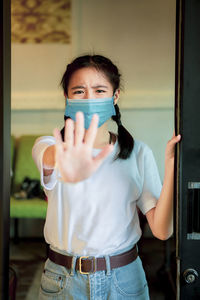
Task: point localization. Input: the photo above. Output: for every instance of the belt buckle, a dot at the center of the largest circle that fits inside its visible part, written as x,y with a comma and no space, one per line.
80,264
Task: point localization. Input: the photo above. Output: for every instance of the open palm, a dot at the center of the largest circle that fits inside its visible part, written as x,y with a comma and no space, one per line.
74,157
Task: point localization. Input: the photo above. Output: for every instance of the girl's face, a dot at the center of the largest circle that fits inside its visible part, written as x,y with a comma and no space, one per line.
89,83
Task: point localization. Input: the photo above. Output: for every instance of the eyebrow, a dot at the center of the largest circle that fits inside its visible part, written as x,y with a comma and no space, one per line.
99,86
82,87
77,87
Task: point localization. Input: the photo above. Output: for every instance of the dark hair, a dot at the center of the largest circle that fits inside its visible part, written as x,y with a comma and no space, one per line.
104,65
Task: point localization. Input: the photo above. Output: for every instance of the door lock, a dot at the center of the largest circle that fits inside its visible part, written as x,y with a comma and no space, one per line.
190,275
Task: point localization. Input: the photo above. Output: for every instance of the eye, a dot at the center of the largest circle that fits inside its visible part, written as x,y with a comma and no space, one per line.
77,92
100,91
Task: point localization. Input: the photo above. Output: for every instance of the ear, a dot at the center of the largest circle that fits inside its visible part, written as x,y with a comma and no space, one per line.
65,95
116,96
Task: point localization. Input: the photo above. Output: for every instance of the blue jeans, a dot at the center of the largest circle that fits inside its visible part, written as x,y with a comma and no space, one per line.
127,282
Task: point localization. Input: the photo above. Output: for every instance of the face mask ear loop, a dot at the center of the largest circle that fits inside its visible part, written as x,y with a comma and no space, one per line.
114,95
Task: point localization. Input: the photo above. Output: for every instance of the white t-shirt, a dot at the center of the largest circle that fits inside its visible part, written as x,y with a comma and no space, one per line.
98,216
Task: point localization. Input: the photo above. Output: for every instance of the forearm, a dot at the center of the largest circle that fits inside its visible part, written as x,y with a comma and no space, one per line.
160,218
163,213
48,160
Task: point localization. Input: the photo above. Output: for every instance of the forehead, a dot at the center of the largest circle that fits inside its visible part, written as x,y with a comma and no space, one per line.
87,76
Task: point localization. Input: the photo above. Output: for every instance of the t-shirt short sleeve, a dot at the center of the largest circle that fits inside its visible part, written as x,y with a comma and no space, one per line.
151,188
39,147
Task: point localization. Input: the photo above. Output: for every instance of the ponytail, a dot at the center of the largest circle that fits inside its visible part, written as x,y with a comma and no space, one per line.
125,139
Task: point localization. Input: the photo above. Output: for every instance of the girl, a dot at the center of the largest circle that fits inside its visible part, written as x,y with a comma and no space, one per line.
95,180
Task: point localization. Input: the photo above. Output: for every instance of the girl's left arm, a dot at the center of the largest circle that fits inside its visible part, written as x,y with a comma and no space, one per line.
160,218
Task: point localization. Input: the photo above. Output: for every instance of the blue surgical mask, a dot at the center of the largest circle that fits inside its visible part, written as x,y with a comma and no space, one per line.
104,107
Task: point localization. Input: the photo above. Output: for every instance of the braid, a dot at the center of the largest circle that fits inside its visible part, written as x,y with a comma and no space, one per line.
125,139
117,118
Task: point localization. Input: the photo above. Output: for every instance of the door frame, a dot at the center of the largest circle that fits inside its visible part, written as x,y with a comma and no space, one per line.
5,117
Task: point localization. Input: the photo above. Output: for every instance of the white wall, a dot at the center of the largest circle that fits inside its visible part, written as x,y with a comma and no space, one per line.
36,73
139,36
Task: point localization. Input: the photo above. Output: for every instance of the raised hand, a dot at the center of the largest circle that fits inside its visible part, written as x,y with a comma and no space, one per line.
74,157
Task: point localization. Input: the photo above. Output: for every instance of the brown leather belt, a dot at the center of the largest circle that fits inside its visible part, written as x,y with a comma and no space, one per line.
90,264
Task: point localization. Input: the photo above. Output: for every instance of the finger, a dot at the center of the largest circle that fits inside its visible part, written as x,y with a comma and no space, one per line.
69,133
171,144
79,128
175,139
58,138
57,135
92,131
103,154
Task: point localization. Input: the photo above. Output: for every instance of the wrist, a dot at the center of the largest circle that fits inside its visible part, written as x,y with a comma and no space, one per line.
169,162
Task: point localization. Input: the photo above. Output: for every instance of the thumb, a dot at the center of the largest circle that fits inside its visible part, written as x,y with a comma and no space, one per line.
102,155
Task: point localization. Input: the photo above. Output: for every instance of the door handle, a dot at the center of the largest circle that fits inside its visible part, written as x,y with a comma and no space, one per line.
190,275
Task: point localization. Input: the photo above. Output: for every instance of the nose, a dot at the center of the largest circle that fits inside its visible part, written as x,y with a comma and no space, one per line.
89,94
